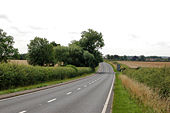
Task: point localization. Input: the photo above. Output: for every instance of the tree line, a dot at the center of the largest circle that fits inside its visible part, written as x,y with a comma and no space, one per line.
136,58
82,53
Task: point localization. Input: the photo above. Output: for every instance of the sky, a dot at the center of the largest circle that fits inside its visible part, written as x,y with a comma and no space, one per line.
129,27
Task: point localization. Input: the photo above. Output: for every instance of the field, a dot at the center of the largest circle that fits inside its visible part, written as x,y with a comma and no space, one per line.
23,62
150,84
135,64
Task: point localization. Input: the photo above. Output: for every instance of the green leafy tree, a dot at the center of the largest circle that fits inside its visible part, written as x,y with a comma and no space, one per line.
76,55
69,55
62,54
54,44
142,58
40,52
91,40
6,46
15,55
89,59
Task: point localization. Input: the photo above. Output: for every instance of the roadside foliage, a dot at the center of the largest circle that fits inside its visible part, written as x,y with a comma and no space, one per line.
156,78
12,76
150,85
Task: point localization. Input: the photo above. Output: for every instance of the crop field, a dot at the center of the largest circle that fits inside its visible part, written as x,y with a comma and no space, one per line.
23,62
135,64
151,83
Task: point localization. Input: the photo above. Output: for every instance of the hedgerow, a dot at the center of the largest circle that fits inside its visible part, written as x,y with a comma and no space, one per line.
156,78
12,75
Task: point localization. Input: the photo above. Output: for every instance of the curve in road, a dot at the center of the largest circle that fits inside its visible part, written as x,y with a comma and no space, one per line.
88,95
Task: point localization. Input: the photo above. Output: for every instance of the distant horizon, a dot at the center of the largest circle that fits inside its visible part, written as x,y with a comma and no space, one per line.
129,27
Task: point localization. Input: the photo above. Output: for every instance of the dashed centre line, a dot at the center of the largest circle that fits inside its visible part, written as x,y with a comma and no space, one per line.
69,93
51,100
78,88
23,112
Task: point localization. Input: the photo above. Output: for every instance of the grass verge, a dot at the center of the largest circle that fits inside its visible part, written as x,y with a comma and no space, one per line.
44,84
146,95
123,102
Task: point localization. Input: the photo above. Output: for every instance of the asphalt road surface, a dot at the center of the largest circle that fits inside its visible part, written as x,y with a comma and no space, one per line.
89,95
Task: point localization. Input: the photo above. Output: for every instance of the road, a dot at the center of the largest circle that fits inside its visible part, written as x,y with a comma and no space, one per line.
88,95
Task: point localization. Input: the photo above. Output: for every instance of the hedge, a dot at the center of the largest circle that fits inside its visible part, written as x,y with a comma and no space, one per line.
156,78
12,75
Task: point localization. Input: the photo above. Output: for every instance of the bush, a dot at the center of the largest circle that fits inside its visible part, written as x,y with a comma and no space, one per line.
155,78
12,75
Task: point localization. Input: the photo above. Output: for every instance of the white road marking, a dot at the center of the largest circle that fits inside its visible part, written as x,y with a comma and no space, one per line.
78,88
69,93
90,83
85,85
51,100
107,100
23,112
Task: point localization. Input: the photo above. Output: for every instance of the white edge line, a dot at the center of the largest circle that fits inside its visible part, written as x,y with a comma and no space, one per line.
51,100
23,112
108,98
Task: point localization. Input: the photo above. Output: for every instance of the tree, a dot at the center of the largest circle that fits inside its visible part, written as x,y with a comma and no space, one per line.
116,57
70,55
142,58
23,56
89,59
91,40
6,46
54,44
15,54
135,58
108,57
40,52
62,54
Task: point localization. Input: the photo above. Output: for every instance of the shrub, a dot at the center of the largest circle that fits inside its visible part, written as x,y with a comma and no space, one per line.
12,75
155,78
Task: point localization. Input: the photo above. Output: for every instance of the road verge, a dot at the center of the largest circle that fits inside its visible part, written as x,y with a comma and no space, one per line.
45,86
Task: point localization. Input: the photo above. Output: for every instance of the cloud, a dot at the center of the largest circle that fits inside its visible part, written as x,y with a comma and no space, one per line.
19,31
73,33
4,17
133,36
163,44
36,28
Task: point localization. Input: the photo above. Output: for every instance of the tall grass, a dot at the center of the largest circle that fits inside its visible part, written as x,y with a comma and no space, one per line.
12,75
146,95
156,78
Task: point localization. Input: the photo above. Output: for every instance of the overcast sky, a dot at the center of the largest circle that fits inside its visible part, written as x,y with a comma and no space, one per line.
129,27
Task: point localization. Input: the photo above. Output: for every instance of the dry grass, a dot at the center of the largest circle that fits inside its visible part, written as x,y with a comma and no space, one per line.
22,62
135,64
114,64
146,95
